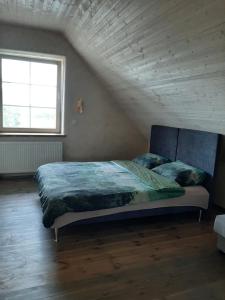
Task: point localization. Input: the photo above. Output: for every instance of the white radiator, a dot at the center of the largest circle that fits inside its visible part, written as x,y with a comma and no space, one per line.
26,157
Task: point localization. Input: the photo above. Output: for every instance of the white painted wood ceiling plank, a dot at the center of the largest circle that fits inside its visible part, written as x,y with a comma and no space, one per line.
164,61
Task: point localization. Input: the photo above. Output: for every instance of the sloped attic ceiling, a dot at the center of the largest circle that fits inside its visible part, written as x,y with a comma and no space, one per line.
164,60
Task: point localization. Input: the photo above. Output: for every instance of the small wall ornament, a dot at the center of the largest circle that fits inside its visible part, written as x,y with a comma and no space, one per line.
80,106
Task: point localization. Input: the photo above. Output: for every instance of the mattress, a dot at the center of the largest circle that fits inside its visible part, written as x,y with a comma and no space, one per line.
90,186
195,196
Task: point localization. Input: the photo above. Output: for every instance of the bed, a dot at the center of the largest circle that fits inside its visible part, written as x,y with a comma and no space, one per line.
123,189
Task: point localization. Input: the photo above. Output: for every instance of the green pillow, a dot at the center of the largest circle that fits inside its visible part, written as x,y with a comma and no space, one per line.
150,160
182,173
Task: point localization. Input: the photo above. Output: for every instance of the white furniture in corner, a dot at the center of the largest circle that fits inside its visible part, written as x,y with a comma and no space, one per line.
219,228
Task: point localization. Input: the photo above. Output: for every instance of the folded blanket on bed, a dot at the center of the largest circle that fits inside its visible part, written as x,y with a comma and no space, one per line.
85,186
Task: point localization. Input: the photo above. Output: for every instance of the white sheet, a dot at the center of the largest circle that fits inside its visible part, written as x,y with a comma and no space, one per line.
194,196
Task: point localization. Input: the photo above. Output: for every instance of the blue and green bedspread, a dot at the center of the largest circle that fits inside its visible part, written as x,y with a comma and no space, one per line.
85,186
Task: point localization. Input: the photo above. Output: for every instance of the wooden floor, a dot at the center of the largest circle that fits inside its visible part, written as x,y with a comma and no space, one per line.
172,258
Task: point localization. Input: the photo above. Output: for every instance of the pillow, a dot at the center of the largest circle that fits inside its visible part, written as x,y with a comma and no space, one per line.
182,173
150,160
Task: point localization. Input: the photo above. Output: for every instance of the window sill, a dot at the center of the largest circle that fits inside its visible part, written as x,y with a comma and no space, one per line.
30,134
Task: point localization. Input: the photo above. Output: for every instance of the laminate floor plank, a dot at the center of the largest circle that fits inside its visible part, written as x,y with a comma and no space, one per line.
159,258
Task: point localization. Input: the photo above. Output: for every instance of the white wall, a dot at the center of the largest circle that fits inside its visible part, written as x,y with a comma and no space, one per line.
103,131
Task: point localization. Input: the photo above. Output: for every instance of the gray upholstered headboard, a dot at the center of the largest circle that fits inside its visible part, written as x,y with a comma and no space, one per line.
164,141
196,148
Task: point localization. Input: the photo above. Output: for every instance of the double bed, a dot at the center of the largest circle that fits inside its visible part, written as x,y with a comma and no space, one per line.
104,191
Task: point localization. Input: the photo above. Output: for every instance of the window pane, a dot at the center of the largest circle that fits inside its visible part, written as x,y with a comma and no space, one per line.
43,96
15,70
15,94
16,117
43,118
43,74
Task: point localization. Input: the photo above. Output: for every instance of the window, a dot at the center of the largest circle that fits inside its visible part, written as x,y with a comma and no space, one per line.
31,98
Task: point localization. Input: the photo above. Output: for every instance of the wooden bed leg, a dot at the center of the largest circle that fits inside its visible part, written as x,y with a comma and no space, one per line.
56,230
200,216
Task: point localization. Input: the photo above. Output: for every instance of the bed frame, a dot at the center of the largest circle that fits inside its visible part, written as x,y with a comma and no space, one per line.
196,148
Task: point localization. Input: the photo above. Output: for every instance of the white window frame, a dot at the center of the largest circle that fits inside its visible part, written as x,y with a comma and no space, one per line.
43,58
